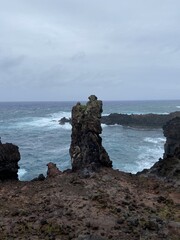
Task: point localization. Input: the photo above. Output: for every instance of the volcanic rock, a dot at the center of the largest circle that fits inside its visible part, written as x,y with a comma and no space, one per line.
86,148
52,170
9,157
134,120
169,167
172,134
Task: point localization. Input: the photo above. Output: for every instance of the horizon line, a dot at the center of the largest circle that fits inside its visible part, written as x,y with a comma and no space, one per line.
122,100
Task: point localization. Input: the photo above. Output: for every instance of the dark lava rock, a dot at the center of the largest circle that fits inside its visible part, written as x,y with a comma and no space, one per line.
41,177
172,134
64,120
86,148
169,166
150,120
9,157
139,120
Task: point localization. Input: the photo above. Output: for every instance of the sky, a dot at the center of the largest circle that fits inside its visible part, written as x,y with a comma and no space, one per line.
60,50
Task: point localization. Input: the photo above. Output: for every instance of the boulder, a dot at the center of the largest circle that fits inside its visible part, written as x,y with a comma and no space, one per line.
86,148
9,157
52,171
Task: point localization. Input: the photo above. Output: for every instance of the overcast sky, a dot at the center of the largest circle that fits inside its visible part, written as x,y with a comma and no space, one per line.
69,49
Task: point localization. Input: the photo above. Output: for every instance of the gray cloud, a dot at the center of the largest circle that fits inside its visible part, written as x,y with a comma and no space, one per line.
67,49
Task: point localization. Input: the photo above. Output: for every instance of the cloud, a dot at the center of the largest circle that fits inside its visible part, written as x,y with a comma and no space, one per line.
72,47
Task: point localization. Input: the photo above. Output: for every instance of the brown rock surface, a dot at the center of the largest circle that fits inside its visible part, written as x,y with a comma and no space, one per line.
52,170
110,205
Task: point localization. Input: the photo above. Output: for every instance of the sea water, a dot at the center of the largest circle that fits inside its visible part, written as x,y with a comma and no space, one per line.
34,127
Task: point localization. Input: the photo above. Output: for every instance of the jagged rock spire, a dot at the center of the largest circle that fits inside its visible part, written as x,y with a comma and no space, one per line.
86,148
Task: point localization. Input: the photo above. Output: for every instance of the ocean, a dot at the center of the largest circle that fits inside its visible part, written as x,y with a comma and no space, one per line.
34,128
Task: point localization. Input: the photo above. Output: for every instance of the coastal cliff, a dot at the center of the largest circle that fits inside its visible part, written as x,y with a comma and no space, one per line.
168,167
9,157
105,204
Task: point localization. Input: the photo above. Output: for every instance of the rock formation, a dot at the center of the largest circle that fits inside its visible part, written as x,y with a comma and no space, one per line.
9,157
52,170
86,148
139,120
172,134
169,166
134,120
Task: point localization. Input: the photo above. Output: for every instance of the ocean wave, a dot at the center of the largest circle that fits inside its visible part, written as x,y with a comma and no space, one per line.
59,115
148,156
49,122
103,125
21,173
177,106
66,126
154,140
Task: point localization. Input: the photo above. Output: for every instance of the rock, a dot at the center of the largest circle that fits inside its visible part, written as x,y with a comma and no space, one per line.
90,237
139,120
172,134
86,148
64,120
133,120
52,171
9,157
41,177
169,166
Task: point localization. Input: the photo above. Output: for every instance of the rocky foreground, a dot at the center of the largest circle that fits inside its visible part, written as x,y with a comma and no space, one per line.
92,201
107,205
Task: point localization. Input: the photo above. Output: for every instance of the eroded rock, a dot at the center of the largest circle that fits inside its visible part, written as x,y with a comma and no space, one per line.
168,167
86,148
172,134
52,171
9,157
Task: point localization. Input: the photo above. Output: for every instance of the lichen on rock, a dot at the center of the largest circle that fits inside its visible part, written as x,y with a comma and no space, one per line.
86,148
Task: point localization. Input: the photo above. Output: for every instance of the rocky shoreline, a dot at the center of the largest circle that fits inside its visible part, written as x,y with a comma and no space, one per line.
92,201
134,120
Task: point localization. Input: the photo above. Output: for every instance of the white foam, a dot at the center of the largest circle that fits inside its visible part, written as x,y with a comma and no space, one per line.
154,140
21,172
103,125
59,115
149,156
51,121
178,106
66,126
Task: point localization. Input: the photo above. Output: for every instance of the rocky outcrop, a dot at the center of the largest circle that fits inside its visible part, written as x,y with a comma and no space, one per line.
9,157
172,134
134,120
86,148
141,120
109,205
52,171
169,167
